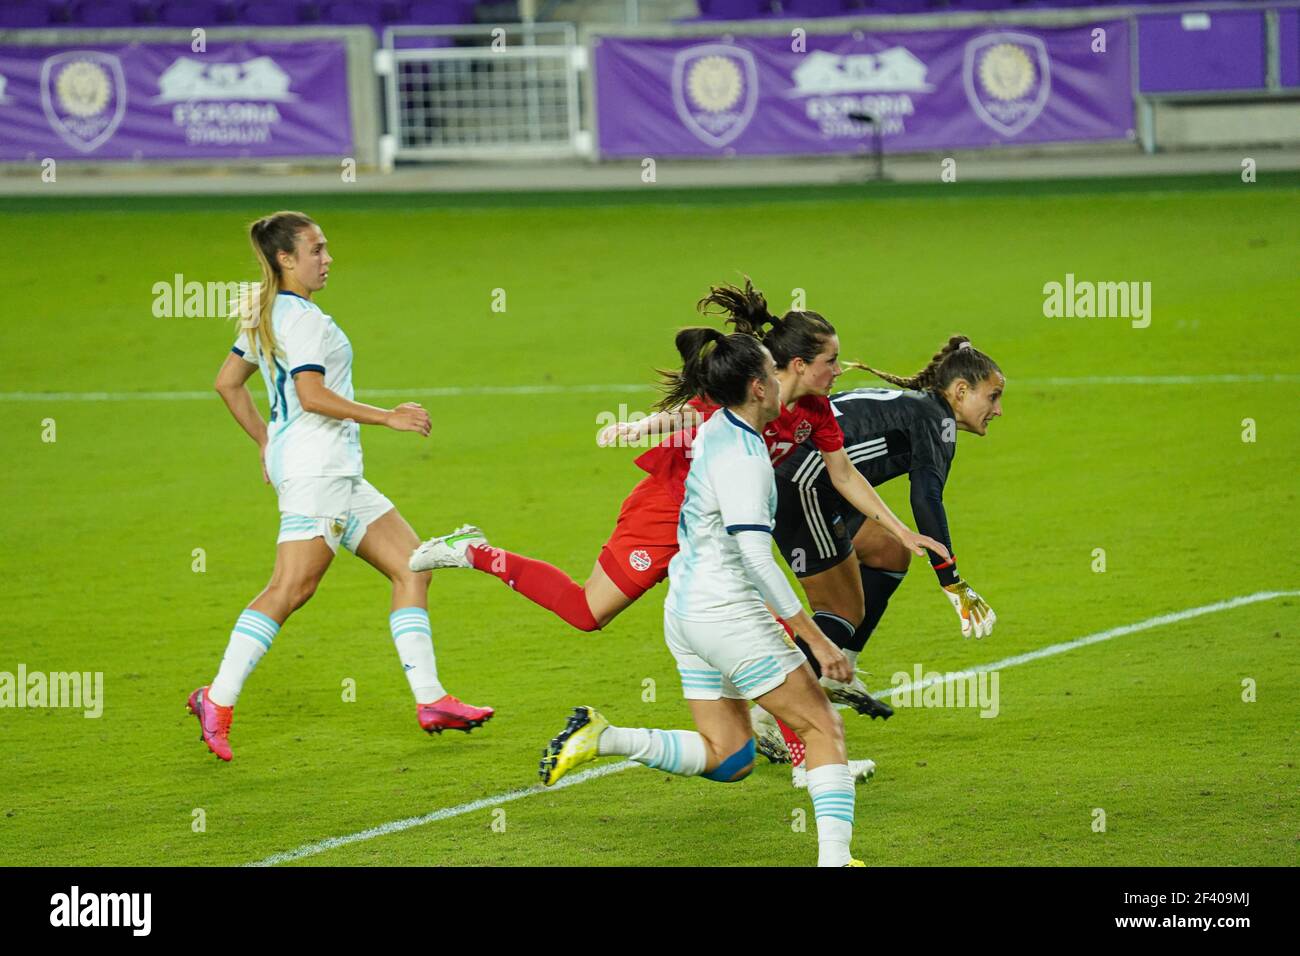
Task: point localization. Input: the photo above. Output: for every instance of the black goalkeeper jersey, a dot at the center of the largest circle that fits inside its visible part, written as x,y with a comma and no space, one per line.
888,433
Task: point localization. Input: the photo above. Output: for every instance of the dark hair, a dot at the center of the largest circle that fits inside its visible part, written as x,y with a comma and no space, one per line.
715,365
957,359
794,335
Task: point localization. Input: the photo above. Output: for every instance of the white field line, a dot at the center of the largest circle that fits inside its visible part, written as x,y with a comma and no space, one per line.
396,826
473,391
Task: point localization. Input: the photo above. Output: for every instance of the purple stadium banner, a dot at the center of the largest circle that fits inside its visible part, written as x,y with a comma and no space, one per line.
1191,52
934,89
164,101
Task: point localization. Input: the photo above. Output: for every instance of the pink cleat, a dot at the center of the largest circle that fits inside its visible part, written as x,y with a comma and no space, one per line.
448,713
214,722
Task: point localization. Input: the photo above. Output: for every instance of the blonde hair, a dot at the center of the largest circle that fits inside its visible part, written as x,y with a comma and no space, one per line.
269,235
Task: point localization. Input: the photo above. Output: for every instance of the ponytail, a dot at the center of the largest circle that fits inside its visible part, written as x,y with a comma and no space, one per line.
268,236
797,334
715,366
956,359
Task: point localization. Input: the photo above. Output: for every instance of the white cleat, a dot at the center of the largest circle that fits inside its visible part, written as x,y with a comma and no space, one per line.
861,771
448,550
768,740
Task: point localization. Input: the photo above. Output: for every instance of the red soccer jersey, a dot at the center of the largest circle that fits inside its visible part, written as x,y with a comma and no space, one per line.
810,419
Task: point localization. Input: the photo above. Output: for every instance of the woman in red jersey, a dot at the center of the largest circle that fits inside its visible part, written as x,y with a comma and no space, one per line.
635,558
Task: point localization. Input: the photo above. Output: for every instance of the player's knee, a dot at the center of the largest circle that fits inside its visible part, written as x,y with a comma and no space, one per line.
294,594
736,767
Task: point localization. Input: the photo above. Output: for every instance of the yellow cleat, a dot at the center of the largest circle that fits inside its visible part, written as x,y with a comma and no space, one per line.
855,863
572,746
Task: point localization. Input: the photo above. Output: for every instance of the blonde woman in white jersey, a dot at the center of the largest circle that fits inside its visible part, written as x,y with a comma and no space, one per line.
728,648
311,454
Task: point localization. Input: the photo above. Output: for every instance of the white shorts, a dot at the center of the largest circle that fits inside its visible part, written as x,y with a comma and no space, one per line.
741,658
336,509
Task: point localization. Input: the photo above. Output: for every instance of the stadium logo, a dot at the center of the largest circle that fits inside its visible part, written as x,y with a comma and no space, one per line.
225,104
1008,80
640,560
715,91
258,79
896,70
83,94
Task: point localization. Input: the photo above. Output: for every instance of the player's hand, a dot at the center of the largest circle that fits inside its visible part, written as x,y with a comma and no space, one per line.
610,434
976,615
409,417
834,663
920,543
266,475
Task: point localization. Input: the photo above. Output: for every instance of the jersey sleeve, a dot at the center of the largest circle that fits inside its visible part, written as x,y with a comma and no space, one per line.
928,475
744,490
303,340
827,434
244,349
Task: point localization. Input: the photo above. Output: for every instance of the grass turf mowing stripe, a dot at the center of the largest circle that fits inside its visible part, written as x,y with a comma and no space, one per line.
473,391
397,826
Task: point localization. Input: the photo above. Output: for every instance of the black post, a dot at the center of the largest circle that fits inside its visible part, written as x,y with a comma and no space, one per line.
877,142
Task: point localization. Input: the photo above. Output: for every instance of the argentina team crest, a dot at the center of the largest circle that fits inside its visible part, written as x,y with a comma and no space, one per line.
83,94
1008,79
715,91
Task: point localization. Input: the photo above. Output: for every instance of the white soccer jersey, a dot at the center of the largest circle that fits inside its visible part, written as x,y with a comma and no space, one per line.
303,444
729,488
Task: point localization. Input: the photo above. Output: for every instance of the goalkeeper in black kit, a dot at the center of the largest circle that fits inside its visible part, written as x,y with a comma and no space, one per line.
848,565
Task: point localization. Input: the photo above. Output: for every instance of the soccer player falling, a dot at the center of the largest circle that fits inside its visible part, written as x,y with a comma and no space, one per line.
727,646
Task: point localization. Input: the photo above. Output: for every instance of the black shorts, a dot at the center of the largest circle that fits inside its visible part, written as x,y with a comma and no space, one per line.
814,527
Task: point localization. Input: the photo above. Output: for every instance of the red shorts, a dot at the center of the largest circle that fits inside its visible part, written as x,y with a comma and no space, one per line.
636,555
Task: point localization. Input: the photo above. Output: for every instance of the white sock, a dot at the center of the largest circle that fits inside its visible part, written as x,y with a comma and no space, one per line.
414,640
673,751
831,789
853,659
249,641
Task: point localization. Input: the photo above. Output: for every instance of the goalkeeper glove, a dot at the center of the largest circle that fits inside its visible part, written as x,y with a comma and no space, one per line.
976,615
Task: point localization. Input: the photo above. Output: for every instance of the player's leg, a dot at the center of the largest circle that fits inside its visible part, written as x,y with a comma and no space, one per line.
827,569
800,702
882,565
299,567
645,535
721,749
385,542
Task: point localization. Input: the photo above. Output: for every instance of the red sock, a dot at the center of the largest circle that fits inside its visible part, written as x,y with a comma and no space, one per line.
792,743
543,584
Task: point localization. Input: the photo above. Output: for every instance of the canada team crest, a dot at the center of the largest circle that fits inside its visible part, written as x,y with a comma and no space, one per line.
83,94
715,91
802,432
1008,79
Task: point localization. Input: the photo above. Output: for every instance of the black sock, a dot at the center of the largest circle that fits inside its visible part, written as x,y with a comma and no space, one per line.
834,627
877,587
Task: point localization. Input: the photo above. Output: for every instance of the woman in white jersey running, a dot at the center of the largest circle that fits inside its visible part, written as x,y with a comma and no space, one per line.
311,454
728,648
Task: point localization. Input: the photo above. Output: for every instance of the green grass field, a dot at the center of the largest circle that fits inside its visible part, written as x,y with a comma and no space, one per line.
1150,727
